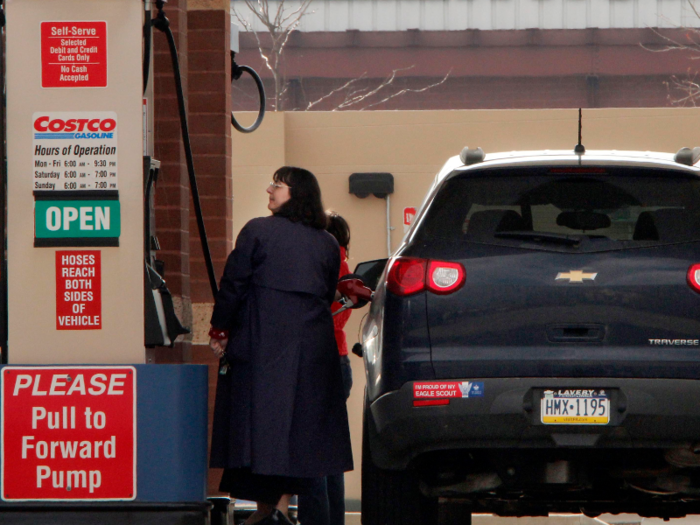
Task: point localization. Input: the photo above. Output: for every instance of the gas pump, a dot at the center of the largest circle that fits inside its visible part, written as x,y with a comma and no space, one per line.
90,433
162,325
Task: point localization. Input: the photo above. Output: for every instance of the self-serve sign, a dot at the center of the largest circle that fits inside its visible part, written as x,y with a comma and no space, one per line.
77,218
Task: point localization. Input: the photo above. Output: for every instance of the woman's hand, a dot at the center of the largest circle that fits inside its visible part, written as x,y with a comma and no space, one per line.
218,341
218,346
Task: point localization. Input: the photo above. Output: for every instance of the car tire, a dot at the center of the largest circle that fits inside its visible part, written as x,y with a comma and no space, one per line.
391,497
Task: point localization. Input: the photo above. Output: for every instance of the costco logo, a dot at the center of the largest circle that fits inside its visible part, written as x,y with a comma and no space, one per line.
74,128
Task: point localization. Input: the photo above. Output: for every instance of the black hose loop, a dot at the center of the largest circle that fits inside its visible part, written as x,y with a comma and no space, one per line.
236,72
165,27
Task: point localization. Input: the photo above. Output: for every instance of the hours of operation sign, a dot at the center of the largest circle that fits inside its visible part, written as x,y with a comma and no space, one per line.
75,150
68,433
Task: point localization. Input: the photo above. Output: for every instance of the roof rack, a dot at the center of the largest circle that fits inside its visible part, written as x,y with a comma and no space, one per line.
473,156
687,156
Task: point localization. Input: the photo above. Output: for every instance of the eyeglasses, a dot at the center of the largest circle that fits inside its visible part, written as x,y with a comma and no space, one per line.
277,185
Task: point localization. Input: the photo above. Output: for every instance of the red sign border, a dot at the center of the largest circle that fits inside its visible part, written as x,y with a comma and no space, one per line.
98,266
2,430
41,58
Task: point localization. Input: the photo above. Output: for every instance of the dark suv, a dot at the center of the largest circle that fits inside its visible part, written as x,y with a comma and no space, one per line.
534,343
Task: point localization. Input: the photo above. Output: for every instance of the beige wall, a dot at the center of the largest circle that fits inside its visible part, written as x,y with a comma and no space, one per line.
413,146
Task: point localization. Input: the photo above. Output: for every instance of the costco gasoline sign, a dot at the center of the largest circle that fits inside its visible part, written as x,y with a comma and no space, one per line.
68,433
75,150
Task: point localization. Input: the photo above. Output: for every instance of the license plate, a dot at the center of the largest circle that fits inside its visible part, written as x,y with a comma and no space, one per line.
575,407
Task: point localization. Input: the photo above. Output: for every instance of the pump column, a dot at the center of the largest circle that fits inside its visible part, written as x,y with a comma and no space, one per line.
74,118
89,433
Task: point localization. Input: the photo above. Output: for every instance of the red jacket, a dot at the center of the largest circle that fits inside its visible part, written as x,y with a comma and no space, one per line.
342,318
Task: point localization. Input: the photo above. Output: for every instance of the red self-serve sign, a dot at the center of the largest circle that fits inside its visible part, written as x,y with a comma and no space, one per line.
73,54
68,433
78,290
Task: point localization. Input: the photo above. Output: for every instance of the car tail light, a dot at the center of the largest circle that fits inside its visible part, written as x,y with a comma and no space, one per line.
410,275
694,277
445,277
407,276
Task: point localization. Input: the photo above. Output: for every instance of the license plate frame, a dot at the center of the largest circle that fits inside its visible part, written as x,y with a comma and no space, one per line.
575,406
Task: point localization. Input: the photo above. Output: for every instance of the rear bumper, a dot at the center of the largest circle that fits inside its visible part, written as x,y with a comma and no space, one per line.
645,413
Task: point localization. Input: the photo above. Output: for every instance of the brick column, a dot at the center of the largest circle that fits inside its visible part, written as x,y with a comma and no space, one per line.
210,126
172,194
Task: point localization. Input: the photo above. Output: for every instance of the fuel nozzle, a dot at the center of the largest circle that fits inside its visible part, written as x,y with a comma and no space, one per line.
353,291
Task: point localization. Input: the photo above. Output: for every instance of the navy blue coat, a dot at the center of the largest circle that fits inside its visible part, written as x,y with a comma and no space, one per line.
281,408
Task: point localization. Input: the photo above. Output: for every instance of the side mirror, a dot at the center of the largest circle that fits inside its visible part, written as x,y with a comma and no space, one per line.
370,272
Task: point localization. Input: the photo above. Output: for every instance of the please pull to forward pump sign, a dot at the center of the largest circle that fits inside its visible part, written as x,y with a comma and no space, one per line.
68,433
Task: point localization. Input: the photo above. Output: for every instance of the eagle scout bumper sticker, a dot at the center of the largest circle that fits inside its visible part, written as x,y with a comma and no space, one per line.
447,389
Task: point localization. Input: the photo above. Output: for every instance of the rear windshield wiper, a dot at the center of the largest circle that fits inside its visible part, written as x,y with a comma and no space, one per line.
558,238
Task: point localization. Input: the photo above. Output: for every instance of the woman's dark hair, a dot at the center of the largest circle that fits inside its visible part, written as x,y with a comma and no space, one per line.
339,228
304,204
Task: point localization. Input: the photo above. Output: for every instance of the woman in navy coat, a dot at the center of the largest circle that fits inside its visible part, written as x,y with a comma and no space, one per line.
280,420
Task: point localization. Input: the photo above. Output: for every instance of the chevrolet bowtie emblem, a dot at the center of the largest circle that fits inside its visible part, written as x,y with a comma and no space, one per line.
576,276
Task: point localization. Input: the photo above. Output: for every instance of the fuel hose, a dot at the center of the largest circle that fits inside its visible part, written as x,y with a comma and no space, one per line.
162,23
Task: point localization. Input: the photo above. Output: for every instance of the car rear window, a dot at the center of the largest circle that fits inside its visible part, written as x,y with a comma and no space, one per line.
587,209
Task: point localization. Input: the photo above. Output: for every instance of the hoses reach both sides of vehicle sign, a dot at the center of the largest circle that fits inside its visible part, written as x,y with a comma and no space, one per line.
162,23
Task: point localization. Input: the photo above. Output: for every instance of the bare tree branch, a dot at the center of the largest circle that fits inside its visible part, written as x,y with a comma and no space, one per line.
410,90
695,10
688,87
299,12
279,27
357,95
361,97
672,44
336,90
